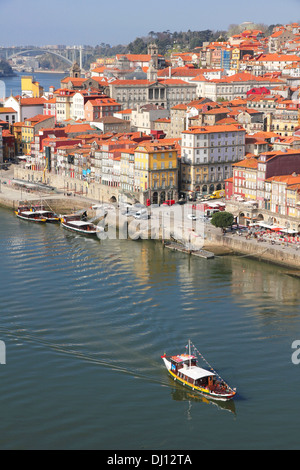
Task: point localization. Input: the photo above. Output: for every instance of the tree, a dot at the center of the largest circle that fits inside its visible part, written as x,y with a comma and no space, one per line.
222,220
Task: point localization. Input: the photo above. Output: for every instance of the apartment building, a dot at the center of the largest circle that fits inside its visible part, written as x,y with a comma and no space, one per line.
143,117
31,127
207,155
156,171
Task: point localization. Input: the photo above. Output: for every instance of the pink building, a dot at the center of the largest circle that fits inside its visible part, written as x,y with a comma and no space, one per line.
100,107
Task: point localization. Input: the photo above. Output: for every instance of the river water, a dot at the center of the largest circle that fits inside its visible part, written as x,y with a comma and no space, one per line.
85,323
12,85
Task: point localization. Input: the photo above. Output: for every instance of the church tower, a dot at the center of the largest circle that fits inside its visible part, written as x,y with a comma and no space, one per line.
151,72
75,71
153,52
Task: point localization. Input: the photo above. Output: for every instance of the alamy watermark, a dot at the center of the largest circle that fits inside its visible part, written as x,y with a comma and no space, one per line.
178,223
2,353
296,353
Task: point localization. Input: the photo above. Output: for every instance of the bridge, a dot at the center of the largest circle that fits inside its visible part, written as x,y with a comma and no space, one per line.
64,54
46,51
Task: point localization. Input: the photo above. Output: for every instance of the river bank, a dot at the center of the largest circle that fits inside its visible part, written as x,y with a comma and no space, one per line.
211,240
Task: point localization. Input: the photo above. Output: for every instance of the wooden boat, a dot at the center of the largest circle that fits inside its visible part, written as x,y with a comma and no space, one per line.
80,215
79,226
184,369
30,216
49,215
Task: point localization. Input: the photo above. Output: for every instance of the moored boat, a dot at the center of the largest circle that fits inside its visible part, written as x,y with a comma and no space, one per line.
23,214
49,215
184,369
79,226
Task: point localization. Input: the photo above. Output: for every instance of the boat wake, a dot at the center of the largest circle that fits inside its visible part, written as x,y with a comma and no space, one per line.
21,337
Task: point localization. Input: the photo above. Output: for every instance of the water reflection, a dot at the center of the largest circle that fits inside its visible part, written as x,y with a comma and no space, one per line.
180,394
249,279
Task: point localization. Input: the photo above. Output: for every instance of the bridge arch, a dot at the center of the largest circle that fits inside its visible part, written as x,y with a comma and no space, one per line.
16,54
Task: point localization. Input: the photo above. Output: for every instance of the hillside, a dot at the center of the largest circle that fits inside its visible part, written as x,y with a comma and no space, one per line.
5,69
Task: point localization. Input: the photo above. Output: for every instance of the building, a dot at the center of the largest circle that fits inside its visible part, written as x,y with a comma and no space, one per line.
156,171
31,127
111,124
127,186
31,88
64,103
207,155
80,98
25,108
97,108
8,145
270,63
234,86
8,115
278,39
50,107
164,93
143,117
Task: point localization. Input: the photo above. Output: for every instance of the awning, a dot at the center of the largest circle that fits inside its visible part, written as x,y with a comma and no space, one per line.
196,373
290,231
265,225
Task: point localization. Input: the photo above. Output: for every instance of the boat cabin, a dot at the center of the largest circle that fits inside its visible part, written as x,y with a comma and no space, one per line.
46,214
185,367
81,226
30,215
178,362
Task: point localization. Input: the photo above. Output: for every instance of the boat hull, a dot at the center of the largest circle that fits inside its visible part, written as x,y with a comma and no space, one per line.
202,391
28,219
79,231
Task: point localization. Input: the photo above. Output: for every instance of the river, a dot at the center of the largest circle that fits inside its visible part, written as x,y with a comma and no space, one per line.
13,84
85,323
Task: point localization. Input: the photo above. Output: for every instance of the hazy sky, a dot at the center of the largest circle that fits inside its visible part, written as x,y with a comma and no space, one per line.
41,22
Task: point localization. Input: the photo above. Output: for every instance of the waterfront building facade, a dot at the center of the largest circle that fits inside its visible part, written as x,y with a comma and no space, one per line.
156,171
207,155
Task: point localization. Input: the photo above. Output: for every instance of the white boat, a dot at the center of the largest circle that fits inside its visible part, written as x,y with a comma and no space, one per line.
184,369
79,226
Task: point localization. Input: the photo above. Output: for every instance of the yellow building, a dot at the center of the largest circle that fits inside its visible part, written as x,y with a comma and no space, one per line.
235,59
156,171
27,137
31,126
283,124
31,88
293,200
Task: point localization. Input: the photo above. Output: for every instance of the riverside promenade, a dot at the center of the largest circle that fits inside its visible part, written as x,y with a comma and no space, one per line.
213,240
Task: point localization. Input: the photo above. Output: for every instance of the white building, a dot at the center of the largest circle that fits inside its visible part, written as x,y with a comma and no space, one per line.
208,153
25,108
143,118
232,87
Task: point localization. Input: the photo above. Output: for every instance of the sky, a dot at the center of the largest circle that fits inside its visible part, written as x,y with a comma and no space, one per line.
92,22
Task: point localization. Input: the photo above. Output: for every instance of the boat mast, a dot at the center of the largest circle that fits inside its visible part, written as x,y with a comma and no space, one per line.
190,352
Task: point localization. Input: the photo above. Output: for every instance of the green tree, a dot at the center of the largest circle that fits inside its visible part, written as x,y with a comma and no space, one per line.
222,220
